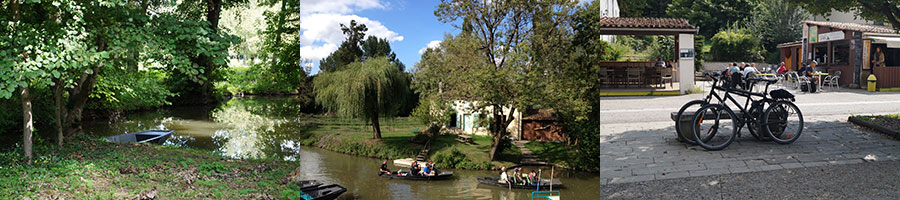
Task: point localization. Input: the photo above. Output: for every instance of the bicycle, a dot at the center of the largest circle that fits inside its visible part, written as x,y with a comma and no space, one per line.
687,137
773,121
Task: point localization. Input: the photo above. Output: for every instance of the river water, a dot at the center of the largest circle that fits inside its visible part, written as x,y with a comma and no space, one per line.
269,126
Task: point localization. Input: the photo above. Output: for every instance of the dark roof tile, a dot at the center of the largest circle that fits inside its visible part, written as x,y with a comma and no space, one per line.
629,22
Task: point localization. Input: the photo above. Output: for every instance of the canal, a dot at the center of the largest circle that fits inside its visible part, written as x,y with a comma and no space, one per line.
255,127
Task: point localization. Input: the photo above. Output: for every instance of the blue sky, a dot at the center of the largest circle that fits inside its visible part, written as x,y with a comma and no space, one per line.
410,25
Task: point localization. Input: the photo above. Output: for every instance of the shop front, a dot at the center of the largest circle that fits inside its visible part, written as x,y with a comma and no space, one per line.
847,48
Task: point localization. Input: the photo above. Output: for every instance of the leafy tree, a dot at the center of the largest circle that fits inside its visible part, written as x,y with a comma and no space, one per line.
282,43
349,51
367,90
643,8
498,31
875,10
711,15
777,22
735,45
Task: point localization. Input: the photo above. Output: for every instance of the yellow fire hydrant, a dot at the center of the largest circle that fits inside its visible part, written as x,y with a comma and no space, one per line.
872,80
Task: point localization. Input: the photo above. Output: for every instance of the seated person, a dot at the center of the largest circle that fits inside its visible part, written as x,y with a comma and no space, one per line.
503,177
384,169
425,170
414,168
531,178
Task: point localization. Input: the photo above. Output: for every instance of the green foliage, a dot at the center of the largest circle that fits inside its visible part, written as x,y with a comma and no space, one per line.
366,90
711,16
455,159
663,47
349,51
644,8
432,111
261,79
874,10
119,90
735,45
75,170
777,22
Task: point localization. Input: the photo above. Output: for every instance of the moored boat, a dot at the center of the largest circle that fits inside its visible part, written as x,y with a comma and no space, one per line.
405,175
326,192
542,183
151,136
308,184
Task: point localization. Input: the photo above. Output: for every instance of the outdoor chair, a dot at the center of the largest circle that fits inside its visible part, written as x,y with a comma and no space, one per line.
604,77
667,77
633,76
832,80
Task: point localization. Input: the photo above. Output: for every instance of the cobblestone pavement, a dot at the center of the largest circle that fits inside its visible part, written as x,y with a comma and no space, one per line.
649,151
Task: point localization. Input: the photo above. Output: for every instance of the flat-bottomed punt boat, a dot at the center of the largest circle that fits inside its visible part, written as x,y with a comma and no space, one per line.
151,136
495,182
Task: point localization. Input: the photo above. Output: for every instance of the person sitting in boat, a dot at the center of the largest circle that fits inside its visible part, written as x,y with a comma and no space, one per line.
384,169
424,171
531,178
503,177
517,177
414,168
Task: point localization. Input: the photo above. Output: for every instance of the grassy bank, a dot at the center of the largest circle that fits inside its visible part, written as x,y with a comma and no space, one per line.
89,168
354,137
556,153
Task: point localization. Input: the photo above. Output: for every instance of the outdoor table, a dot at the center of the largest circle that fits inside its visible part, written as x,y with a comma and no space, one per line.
819,77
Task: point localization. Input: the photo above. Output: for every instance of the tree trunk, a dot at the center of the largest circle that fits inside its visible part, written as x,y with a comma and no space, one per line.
78,97
376,128
29,124
497,134
60,108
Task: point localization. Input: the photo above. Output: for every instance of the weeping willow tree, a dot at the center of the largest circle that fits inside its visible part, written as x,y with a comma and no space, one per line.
369,89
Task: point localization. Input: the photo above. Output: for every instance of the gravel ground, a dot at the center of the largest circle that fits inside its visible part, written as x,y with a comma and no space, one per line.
870,180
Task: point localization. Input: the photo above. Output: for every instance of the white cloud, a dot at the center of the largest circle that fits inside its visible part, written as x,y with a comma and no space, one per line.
337,6
324,30
431,45
320,25
317,52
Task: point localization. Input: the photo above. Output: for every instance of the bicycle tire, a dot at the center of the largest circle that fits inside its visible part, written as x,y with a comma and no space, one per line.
777,129
705,141
683,136
753,126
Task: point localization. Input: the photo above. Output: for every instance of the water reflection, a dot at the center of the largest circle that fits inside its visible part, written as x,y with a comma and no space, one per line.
271,127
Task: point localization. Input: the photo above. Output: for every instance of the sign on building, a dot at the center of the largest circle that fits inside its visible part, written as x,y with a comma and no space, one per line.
813,30
831,36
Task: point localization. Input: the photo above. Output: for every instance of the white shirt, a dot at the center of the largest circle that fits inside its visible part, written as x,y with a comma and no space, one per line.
504,177
749,69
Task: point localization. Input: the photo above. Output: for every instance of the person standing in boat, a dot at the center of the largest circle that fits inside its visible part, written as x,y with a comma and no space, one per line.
384,169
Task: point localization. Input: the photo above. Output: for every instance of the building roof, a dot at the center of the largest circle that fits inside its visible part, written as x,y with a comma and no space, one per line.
790,44
853,26
641,22
543,114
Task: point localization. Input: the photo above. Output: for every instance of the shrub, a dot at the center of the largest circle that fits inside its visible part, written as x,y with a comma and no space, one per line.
736,45
120,89
453,158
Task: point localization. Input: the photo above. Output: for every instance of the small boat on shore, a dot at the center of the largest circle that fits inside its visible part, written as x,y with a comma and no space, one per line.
542,183
151,136
405,175
326,192
308,184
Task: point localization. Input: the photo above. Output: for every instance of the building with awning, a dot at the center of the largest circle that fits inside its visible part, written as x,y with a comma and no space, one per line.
849,48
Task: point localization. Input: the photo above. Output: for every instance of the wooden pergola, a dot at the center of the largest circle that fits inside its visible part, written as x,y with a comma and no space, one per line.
679,28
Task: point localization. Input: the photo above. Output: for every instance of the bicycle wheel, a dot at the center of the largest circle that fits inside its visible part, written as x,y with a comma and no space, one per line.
715,127
753,126
783,122
686,136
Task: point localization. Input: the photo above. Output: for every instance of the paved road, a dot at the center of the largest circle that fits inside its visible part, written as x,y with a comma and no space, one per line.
828,105
640,144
